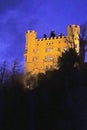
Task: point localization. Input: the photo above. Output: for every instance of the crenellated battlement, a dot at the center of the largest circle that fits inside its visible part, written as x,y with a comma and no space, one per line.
50,38
28,31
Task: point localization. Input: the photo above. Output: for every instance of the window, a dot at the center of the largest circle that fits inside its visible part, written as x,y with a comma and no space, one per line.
35,51
49,43
75,46
59,49
65,49
49,49
35,59
48,58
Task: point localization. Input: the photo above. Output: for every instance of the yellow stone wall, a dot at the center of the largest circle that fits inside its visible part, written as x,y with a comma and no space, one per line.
42,54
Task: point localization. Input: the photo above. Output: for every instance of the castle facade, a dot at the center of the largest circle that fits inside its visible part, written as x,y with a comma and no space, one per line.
42,54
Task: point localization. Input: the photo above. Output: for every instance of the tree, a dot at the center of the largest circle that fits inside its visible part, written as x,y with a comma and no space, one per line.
68,59
83,41
15,72
3,73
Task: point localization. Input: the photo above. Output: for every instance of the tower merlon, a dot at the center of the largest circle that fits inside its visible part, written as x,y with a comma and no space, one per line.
33,31
28,31
73,25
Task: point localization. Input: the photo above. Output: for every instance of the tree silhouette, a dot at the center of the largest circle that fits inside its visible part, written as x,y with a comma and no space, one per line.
83,41
3,73
15,71
68,59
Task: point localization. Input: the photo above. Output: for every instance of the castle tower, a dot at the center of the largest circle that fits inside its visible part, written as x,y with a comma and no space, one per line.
73,36
30,43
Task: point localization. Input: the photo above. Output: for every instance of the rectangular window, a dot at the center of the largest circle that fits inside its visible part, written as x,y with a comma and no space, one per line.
75,45
59,49
49,49
37,44
49,43
48,58
35,59
35,51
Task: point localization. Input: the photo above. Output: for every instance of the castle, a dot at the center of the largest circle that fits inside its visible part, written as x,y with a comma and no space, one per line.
42,54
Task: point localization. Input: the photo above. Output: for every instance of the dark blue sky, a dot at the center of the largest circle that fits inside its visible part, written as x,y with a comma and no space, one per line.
17,16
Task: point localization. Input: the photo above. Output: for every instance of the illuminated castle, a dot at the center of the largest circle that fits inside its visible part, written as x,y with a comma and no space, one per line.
42,54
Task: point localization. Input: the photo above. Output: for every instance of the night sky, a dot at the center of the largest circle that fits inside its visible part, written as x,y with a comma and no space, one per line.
43,16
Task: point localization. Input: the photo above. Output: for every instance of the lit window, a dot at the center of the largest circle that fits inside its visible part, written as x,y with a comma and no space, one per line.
49,58
49,49
49,43
65,49
35,51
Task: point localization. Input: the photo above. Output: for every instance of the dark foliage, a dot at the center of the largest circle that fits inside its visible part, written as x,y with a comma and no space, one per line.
69,59
62,101
58,103
14,109
83,41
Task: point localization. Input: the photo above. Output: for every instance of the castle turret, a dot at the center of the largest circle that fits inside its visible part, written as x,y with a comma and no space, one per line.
73,36
30,43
